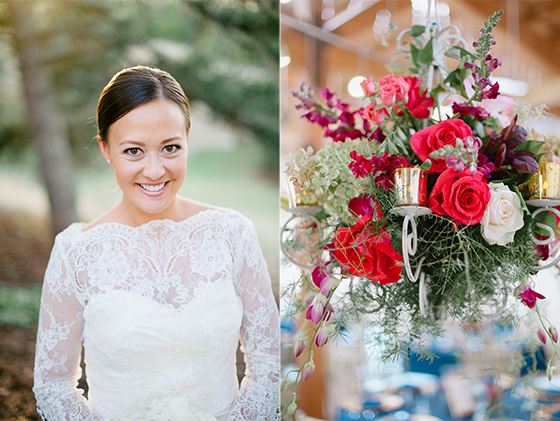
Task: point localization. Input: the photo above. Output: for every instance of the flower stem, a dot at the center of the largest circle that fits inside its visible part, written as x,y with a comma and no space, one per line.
309,350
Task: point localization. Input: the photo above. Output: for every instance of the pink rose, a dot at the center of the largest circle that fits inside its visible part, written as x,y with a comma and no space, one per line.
367,87
461,196
434,137
375,116
392,89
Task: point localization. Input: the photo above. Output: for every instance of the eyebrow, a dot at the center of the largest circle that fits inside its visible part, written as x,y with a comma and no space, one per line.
138,143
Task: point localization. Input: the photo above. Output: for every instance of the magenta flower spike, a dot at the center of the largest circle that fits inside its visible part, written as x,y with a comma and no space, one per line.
323,335
553,333
541,335
308,370
529,296
316,309
300,341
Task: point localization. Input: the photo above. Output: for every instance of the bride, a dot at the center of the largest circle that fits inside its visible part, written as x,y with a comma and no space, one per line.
159,289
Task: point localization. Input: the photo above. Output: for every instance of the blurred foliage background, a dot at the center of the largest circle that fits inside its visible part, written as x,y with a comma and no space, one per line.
224,53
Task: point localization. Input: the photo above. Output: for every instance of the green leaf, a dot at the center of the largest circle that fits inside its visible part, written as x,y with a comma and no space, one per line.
460,53
397,67
426,56
530,145
426,165
438,89
417,30
455,80
392,25
414,54
546,218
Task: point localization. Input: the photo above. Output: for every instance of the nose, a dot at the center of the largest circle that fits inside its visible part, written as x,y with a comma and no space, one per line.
153,168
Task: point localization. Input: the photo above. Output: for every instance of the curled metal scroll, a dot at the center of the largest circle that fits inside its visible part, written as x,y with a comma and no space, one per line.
409,247
302,212
551,234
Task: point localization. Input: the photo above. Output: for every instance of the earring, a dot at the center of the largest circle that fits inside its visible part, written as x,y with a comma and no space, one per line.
108,161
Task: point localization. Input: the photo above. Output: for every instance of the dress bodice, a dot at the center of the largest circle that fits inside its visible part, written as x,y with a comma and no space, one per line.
160,309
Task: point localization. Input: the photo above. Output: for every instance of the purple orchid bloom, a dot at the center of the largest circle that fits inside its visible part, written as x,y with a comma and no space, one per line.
361,206
323,334
529,296
308,370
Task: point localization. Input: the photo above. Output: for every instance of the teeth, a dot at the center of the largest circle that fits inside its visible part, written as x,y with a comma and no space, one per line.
157,187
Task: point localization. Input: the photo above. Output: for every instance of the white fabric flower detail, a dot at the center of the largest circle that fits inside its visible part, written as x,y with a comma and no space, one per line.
503,215
171,408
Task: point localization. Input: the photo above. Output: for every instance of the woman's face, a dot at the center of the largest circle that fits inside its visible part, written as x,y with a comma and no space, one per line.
148,150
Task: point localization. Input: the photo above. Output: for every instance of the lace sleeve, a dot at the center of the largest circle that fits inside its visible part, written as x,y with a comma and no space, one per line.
258,398
59,344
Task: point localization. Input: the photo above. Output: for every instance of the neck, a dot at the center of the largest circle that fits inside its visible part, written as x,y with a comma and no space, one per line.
131,215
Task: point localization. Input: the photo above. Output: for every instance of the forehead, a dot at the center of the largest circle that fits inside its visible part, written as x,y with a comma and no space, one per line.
150,122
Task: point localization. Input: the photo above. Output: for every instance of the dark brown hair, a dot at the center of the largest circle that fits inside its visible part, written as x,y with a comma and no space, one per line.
133,87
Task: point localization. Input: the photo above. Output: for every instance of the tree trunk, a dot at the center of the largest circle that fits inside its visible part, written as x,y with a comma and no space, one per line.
47,126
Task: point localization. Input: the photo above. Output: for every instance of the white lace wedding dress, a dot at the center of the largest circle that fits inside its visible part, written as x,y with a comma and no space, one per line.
160,309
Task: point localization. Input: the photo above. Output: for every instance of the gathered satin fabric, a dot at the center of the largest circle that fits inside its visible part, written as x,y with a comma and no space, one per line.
160,309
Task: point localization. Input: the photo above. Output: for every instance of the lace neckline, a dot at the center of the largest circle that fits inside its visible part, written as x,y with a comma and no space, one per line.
203,214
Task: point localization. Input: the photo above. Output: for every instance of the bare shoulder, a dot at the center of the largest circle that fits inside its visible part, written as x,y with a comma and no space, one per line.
189,207
113,215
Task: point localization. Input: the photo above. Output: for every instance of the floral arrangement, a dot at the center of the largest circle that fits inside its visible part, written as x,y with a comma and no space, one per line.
172,408
473,237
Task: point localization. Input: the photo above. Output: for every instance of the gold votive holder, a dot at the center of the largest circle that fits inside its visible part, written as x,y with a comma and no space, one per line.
545,184
302,199
410,186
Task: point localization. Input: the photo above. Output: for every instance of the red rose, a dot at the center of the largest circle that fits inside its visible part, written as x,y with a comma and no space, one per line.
418,103
434,137
461,196
367,253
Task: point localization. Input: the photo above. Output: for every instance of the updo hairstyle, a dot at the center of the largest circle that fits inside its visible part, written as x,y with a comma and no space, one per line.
133,87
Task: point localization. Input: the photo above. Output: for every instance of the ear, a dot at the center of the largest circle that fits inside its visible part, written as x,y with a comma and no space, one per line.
104,148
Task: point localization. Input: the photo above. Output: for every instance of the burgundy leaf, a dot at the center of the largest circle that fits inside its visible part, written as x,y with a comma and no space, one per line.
505,132
500,156
517,136
493,142
524,161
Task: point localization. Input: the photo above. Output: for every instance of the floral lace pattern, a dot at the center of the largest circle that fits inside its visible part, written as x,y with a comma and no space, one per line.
160,309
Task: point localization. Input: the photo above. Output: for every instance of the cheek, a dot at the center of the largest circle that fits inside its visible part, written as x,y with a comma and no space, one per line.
178,166
125,171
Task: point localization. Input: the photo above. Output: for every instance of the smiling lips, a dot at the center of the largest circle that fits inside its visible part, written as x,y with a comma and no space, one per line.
154,188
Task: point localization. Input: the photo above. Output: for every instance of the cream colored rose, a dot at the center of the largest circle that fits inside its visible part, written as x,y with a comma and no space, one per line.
503,215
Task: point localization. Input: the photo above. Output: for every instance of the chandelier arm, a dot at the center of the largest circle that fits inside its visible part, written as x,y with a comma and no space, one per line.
422,294
551,235
409,245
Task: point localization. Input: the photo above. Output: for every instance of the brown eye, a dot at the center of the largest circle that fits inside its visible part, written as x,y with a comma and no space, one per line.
171,148
133,151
